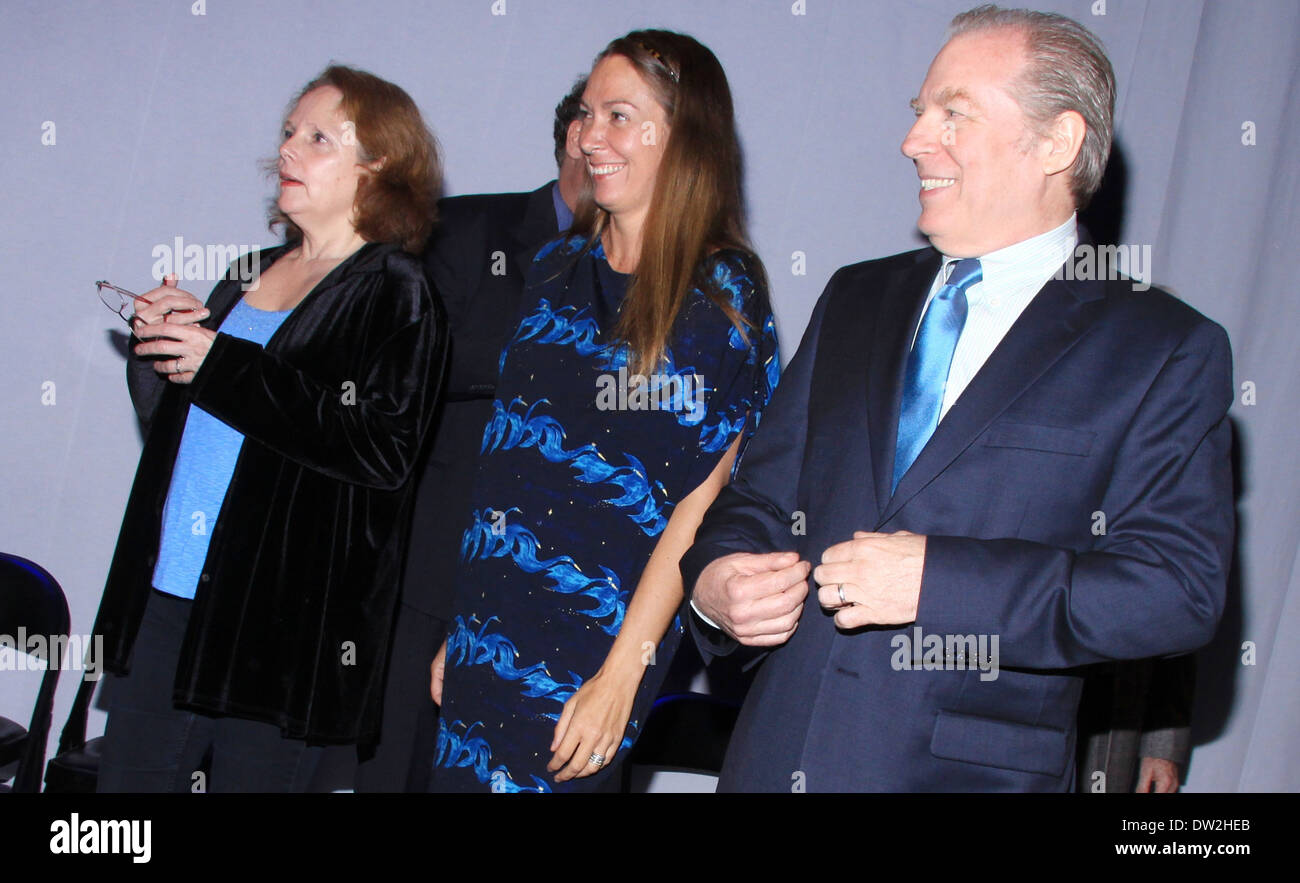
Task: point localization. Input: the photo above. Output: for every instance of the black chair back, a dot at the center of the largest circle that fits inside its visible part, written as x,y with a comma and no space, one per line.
32,604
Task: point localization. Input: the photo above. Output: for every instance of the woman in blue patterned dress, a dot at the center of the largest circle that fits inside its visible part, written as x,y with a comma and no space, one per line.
645,353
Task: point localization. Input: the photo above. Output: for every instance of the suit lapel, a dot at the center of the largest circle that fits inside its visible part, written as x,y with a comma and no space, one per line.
1052,323
901,300
537,228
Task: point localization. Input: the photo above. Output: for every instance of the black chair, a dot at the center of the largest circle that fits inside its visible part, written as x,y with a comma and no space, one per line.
32,601
686,732
75,769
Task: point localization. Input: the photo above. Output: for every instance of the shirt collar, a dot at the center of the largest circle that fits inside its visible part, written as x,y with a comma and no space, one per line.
563,217
1036,258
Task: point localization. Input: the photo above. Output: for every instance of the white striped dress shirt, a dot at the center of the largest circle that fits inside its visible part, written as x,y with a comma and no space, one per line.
1012,276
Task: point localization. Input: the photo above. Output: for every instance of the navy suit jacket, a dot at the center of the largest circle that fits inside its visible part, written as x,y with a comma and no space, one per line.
476,260
1100,399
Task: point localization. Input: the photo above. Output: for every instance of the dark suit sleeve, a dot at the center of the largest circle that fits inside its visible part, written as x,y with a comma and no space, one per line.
453,257
144,383
1155,583
1167,717
473,261
754,513
373,440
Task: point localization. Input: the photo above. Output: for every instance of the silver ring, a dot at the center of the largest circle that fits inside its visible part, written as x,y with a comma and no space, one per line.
597,759
844,602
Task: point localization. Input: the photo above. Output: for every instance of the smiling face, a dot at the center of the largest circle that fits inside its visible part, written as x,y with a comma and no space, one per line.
624,132
319,160
984,185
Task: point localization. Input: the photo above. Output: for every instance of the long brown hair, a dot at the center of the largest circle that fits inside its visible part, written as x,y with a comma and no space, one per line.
398,203
696,208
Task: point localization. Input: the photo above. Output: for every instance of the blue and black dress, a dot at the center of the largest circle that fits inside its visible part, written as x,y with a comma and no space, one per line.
578,473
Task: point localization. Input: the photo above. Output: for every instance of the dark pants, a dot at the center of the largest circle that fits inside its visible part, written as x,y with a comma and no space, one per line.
150,745
403,759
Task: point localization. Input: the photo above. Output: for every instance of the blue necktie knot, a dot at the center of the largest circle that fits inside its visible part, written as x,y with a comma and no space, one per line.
928,364
965,273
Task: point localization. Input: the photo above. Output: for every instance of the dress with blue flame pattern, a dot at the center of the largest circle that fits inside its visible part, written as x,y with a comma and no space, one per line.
578,473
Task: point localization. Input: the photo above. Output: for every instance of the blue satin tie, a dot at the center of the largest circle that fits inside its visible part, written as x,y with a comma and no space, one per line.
928,364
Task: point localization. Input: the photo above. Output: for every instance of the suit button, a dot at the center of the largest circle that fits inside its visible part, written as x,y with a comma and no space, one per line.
204,578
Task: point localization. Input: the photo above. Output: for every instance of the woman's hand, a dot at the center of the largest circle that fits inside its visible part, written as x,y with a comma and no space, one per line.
435,674
167,303
593,722
187,344
166,325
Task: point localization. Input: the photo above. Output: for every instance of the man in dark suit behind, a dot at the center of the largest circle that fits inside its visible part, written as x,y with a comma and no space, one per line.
1135,726
1001,475
476,262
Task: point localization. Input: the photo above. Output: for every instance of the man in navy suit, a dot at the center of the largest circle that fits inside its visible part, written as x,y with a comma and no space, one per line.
1002,472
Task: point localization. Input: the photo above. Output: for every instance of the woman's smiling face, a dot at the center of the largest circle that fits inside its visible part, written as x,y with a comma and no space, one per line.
624,132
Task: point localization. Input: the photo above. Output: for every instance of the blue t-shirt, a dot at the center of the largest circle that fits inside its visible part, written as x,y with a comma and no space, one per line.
204,464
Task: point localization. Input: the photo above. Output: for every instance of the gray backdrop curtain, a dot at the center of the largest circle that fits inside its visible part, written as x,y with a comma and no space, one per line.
128,124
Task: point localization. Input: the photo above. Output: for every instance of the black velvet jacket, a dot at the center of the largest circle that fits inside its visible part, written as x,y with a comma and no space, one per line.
295,606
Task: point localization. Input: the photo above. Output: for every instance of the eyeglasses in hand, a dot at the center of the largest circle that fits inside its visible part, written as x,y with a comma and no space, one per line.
119,300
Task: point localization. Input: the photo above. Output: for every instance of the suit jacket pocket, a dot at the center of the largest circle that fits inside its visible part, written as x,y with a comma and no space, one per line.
1036,437
999,743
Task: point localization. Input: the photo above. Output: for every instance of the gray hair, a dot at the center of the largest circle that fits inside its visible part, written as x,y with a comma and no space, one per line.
1066,69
